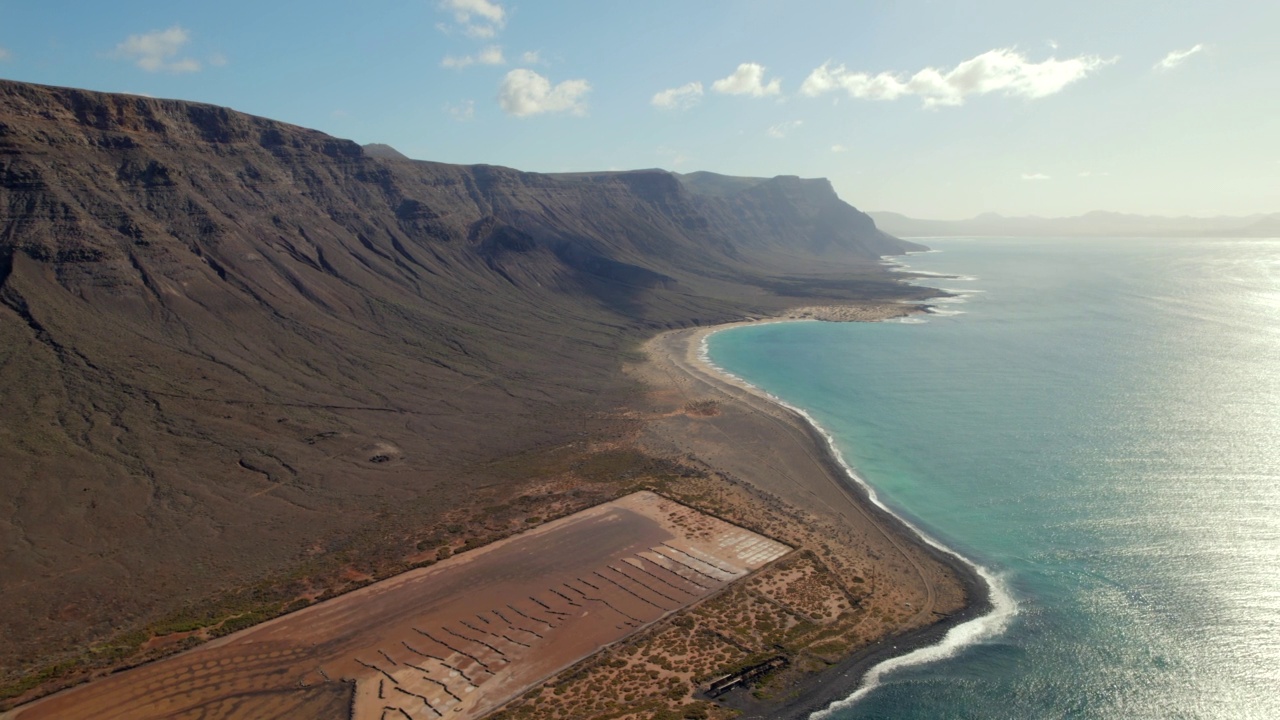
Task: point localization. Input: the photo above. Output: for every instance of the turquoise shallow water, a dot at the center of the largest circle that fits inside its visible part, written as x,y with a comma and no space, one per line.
1098,423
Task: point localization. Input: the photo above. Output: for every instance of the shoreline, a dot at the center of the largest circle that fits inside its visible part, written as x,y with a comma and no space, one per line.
808,492
847,677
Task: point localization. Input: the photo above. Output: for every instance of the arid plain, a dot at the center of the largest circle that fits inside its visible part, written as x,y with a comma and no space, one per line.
628,608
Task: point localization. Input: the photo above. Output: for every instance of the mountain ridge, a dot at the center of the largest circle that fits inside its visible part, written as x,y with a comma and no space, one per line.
231,348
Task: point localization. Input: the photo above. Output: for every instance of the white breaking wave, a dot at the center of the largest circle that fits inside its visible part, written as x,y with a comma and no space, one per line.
936,304
899,266
971,632
931,274
966,634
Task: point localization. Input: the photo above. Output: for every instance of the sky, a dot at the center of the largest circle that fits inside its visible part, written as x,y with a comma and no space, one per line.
932,109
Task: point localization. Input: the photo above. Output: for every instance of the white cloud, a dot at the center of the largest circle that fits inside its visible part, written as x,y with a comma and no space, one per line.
838,148
675,157
5,54
477,18
783,129
525,92
1004,70
748,79
491,55
1176,58
218,60
1034,176
463,111
158,51
531,57
679,98
185,65
464,11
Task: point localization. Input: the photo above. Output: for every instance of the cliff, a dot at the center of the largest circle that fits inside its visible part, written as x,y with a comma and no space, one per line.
228,344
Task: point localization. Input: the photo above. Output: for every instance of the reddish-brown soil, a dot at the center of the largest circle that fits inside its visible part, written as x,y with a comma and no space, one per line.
458,638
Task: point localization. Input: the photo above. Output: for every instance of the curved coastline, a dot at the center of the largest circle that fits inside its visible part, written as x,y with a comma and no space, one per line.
987,610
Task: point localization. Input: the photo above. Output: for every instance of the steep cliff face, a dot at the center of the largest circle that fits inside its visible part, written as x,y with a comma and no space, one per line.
227,341
802,216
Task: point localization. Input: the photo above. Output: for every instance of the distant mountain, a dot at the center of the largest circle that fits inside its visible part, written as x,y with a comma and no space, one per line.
229,345
1090,224
708,183
796,213
1265,226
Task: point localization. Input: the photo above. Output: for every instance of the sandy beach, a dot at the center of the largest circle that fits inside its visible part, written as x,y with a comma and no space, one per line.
777,452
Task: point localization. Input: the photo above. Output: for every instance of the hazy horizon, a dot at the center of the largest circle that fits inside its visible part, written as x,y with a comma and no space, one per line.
1086,213
932,112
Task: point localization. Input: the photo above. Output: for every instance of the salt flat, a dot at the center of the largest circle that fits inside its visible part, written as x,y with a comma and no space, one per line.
459,638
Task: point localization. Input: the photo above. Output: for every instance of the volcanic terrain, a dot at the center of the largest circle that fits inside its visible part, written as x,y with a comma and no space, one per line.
245,364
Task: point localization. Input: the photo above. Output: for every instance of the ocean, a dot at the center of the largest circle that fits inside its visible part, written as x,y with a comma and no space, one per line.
1094,422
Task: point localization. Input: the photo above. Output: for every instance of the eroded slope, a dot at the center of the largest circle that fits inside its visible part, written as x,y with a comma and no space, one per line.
236,353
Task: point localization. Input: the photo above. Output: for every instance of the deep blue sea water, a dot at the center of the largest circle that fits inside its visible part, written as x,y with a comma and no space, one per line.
1097,422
